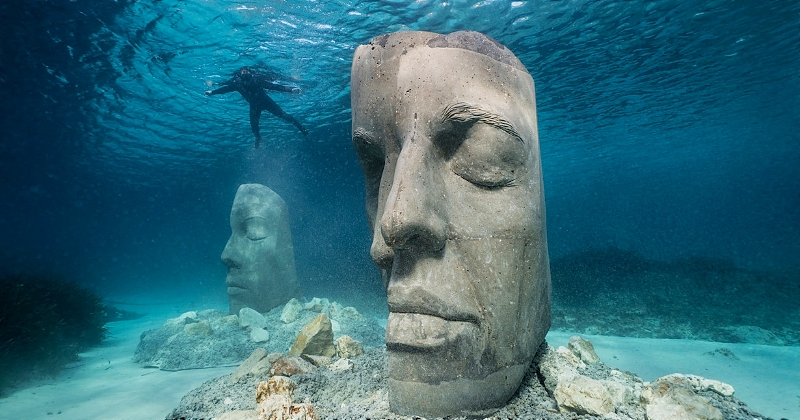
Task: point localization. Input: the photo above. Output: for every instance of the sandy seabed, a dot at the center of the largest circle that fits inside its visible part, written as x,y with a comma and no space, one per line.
107,384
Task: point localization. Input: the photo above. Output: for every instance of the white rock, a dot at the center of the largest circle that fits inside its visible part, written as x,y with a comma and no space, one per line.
619,393
570,357
667,401
699,383
185,318
291,311
201,328
315,305
251,318
583,349
347,347
583,395
259,335
555,366
256,364
341,365
274,407
335,310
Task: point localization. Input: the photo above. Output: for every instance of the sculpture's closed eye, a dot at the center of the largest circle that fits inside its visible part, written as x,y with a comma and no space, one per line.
256,228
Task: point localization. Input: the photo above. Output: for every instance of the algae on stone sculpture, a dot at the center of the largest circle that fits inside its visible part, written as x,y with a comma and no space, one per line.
259,254
445,130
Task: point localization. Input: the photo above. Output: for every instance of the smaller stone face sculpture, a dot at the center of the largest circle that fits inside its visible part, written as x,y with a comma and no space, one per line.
259,254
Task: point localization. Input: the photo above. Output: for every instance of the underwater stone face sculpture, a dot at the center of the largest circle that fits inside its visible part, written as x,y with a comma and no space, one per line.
259,254
446,134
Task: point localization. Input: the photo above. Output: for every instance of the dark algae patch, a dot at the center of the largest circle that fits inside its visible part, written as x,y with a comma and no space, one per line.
44,323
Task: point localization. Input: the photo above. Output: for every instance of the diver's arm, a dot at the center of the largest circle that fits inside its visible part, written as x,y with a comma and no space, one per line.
224,89
277,87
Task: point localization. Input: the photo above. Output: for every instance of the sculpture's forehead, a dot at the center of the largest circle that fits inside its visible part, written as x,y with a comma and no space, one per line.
450,73
255,202
427,80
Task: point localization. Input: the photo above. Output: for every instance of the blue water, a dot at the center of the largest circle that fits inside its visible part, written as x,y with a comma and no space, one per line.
669,128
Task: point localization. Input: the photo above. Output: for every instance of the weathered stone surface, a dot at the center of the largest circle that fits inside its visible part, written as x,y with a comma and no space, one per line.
699,383
470,305
343,313
358,390
317,305
272,357
317,360
276,385
239,415
620,391
315,338
259,253
251,318
290,365
259,335
583,395
583,349
341,365
256,364
202,328
347,347
555,367
291,311
274,407
664,400
274,399
211,341
185,318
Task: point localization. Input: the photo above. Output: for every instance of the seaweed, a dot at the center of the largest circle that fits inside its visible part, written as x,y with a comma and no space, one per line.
45,321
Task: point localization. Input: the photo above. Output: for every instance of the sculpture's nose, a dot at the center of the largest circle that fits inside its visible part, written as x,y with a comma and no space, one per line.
414,213
229,256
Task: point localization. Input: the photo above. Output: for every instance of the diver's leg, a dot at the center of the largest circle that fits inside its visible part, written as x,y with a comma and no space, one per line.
255,117
275,110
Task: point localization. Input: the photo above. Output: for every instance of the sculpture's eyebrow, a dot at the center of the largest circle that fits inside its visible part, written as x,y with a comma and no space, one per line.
468,113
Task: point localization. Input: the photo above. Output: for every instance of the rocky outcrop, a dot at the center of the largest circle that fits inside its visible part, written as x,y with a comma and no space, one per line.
580,383
346,347
274,399
557,386
315,339
257,364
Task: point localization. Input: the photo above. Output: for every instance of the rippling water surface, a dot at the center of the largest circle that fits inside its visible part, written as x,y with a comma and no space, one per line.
667,127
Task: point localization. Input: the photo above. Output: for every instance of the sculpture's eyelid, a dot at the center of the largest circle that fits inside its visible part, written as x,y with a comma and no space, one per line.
462,112
362,137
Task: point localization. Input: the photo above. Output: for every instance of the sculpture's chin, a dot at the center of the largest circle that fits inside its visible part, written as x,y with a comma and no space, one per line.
462,396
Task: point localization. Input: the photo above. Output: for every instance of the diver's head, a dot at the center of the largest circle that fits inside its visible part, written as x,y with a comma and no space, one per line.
245,74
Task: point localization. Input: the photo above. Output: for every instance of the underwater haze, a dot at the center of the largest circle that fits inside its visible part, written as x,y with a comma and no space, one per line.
670,131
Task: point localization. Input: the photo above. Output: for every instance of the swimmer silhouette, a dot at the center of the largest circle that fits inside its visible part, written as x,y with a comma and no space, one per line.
252,85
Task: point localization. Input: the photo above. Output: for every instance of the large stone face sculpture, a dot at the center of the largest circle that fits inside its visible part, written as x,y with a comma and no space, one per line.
259,254
445,131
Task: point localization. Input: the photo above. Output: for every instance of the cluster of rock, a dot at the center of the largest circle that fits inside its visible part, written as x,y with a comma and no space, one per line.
580,383
563,383
313,348
212,338
195,340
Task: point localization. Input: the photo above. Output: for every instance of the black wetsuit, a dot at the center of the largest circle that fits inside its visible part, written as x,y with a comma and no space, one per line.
252,85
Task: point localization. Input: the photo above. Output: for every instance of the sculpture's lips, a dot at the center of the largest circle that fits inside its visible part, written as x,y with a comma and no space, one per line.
410,331
233,290
421,302
234,287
